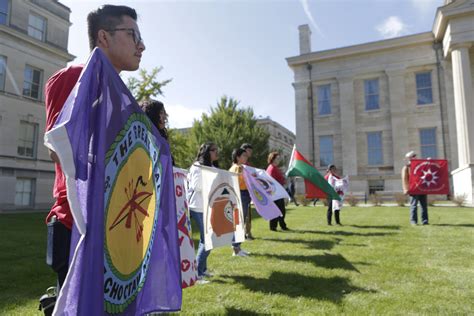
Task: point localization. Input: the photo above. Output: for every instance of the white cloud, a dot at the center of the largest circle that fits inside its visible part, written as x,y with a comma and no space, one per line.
426,6
180,116
392,27
305,4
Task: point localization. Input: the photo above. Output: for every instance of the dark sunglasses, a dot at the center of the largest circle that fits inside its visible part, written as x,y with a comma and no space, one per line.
137,38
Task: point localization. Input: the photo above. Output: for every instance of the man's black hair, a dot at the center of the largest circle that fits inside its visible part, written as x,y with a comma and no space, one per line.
107,17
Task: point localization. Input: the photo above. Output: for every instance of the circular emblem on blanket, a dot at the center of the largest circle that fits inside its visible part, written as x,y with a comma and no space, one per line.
429,176
259,195
268,186
224,207
132,191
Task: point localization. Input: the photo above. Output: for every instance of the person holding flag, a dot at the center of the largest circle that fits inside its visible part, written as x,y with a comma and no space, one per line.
315,184
414,199
115,31
207,156
239,158
333,206
276,174
119,182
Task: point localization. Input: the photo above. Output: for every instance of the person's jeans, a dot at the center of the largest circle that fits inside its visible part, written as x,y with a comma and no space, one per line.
202,254
245,197
414,199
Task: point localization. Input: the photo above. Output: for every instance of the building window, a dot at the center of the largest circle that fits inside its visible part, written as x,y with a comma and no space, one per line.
428,143
374,148
24,192
37,27
326,154
4,11
424,94
32,83
376,185
371,88
3,72
27,139
324,99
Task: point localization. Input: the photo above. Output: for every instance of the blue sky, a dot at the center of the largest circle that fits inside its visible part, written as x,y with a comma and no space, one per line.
238,48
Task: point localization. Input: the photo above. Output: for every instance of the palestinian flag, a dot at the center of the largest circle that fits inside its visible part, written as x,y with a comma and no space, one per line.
316,185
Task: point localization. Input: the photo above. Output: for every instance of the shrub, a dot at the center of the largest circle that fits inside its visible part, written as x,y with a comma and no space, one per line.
376,199
400,199
460,199
352,200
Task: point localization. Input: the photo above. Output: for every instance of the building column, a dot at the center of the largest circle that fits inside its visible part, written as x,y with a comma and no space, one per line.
348,125
398,110
303,123
463,176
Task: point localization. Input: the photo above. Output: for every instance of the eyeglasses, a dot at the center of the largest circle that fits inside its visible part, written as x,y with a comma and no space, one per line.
137,38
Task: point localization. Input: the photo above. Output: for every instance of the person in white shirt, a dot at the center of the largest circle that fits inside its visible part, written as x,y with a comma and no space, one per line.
207,156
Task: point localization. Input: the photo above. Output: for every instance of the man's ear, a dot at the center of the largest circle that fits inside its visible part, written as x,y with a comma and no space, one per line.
103,39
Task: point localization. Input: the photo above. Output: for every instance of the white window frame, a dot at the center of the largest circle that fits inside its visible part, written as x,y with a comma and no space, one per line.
430,145
33,30
430,88
323,103
25,196
30,82
7,13
24,141
367,95
325,152
371,149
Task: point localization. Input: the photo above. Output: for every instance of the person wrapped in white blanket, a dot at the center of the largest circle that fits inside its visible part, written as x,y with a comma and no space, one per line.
340,185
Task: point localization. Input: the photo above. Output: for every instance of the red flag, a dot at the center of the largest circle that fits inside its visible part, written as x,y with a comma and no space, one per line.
313,192
429,176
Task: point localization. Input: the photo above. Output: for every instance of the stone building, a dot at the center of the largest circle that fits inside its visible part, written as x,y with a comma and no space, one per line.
363,107
281,139
33,45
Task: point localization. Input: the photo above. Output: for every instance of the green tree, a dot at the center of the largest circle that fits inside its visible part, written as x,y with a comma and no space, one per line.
229,127
146,85
181,148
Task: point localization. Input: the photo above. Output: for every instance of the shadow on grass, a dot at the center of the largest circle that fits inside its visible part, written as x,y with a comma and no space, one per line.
342,233
326,260
312,244
236,311
393,227
454,225
296,285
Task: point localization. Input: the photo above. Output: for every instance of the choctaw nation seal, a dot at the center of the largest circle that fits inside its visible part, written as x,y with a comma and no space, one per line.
132,199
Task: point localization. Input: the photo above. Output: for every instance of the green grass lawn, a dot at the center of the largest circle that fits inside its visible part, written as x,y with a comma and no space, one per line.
375,264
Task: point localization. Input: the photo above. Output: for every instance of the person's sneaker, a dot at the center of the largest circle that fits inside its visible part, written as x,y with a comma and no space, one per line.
273,229
208,274
426,223
47,301
249,237
285,228
201,280
239,254
245,252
